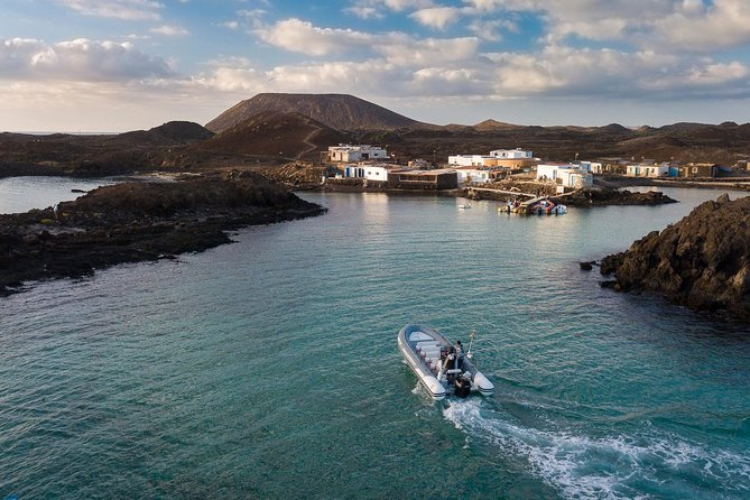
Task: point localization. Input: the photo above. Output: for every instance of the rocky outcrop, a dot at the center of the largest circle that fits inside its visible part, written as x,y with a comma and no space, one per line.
607,196
702,262
136,222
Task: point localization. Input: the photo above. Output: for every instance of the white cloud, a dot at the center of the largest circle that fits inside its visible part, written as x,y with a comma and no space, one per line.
78,60
682,25
436,17
693,26
120,9
489,30
364,12
301,36
232,25
170,30
397,48
428,52
375,9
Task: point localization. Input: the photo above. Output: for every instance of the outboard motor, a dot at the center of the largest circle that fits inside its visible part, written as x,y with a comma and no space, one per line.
462,387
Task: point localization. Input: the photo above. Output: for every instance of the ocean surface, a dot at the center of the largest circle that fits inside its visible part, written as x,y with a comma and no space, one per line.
21,194
268,368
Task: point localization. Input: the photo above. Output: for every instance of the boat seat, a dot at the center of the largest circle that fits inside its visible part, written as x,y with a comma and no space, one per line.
431,353
423,345
418,336
454,370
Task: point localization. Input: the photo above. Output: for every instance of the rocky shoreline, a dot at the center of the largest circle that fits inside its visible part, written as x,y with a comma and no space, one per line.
136,222
701,262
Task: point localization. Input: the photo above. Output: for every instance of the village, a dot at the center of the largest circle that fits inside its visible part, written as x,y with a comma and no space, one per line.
372,167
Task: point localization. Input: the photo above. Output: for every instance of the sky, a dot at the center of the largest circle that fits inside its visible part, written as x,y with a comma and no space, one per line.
119,65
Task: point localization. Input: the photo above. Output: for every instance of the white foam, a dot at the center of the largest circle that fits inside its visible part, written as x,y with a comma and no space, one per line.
615,467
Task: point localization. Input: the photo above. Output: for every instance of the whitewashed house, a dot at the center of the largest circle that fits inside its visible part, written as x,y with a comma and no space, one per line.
378,172
467,160
347,153
566,175
647,170
514,154
471,175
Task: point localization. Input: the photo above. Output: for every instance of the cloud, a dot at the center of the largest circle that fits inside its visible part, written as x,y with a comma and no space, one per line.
78,60
375,9
681,25
120,9
169,30
301,36
396,48
363,12
436,17
694,26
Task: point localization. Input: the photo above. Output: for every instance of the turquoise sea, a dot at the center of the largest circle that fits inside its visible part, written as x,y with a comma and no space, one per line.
268,368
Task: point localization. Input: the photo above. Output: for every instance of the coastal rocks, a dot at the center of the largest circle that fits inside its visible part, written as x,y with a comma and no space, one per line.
610,196
136,222
702,262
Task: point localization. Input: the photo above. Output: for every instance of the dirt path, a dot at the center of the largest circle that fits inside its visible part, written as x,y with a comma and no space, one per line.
312,147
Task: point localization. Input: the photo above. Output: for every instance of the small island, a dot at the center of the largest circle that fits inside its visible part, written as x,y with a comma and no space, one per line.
137,221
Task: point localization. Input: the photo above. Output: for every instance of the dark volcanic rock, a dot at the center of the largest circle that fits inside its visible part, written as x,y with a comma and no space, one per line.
607,196
136,222
702,262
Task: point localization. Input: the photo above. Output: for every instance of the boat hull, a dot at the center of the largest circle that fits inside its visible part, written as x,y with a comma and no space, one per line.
421,347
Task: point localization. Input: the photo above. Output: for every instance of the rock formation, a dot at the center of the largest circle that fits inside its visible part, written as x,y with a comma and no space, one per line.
136,222
702,262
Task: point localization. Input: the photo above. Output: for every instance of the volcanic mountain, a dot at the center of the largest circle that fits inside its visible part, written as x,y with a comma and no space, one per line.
337,111
276,134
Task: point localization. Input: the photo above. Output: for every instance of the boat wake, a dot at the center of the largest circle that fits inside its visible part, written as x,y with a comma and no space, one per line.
650,465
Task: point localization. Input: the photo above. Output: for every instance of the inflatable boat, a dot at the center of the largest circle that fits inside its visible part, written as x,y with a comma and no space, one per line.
443,368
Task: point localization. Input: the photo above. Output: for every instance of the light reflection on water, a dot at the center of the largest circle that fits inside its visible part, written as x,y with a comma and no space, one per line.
268,368
21,194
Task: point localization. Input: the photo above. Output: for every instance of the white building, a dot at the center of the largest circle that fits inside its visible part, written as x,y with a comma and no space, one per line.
349,153
378,172
517,153
370,172
467,160
647,170
567,175
471,175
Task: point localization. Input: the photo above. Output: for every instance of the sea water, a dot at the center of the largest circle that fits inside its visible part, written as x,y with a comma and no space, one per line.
268,368
21,194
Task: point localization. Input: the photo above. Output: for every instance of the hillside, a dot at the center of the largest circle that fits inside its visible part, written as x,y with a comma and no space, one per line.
337,111
272,129
277,134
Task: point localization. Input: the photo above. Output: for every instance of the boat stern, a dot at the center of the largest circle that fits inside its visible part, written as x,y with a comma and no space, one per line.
482,384
434,387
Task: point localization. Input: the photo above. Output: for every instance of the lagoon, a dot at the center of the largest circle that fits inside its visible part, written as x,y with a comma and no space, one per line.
268,368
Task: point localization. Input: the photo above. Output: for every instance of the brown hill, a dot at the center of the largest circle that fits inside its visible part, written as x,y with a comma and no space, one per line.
169,134
337,111
182,131
490,125
276,134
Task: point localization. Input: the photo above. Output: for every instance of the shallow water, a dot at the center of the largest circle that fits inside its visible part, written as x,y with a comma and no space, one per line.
269,369
21,194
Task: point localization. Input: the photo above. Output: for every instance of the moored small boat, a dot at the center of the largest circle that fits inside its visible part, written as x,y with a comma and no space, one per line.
441,367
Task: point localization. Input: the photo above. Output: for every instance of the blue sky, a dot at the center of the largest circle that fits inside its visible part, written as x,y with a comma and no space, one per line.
117,65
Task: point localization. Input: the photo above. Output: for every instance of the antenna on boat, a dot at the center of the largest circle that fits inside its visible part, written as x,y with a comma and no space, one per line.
472,336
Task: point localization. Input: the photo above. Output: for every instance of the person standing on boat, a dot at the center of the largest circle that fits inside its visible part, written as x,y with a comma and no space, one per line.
459,354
